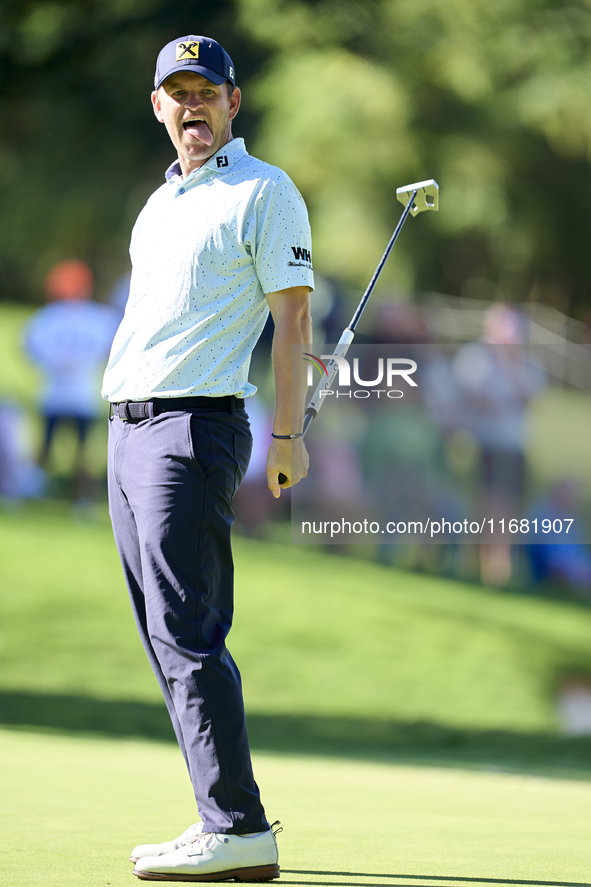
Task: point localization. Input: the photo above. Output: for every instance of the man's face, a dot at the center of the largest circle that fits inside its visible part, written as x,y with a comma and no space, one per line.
197,115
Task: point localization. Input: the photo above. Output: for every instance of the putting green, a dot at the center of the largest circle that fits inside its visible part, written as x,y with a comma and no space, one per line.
72,808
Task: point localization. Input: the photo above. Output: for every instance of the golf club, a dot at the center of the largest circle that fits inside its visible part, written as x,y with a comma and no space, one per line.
415,198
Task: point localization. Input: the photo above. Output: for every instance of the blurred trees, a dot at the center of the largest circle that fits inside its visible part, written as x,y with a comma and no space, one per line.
492,99
352,97
80,149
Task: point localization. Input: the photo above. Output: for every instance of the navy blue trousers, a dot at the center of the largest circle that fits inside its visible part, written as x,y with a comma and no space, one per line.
171,483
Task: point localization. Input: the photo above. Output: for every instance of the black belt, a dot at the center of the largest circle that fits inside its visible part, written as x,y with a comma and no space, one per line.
130,410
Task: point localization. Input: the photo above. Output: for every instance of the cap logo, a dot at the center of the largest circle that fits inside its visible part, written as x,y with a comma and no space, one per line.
187,51
231,72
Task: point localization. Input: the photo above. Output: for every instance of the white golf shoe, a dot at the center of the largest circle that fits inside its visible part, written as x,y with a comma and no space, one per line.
166,846
215,857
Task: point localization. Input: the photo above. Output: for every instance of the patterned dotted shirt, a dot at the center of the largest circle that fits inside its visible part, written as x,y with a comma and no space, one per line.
205,250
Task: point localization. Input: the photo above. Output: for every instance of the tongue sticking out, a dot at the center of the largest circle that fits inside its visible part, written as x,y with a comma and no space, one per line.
198,129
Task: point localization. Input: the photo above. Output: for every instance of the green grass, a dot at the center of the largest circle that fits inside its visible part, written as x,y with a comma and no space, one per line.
71,809
403,726
337,655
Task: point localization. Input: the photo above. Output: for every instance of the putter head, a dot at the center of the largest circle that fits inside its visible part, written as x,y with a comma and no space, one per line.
427,196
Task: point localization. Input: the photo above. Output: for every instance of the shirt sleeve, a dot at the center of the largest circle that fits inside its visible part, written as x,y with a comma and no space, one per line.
282,248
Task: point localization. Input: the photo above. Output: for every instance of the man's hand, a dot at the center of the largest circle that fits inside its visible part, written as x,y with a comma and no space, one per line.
288,457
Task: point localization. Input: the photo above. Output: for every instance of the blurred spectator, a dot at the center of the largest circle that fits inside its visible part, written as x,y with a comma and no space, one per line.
556,561
330,313
338,481
498,378
399,323
20,478
401,461
439,388
69,339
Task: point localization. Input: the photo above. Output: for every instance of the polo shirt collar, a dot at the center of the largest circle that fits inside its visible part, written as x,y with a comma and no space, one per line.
221,162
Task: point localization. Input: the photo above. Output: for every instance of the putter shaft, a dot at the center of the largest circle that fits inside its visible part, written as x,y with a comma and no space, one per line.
428,192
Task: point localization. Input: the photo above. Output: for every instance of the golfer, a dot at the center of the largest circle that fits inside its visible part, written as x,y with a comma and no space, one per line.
225,239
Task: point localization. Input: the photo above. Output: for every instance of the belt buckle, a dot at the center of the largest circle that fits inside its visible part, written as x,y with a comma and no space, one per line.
125,417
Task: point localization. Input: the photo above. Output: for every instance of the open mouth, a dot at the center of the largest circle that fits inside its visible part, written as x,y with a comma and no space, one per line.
198,129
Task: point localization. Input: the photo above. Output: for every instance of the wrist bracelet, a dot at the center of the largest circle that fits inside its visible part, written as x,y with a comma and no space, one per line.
286,436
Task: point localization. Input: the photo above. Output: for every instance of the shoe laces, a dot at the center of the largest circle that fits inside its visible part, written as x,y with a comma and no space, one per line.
191,833
200,842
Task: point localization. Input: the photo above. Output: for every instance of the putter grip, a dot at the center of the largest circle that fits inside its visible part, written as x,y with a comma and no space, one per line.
281,477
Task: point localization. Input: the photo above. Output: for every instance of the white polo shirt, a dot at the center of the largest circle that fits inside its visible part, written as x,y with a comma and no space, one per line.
205,250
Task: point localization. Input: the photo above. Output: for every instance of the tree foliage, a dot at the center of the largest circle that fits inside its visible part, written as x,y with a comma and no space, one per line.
353,98
491,99
80,149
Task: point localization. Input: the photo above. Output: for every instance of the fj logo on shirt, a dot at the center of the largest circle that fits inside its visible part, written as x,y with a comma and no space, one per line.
300,253
222,161
187,51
